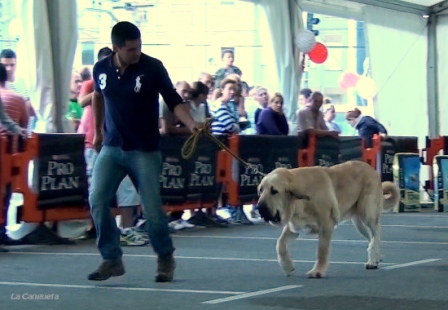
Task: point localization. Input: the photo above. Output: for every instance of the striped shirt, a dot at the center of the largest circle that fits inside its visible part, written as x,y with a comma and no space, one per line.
6,123
225,120
14,105
19,87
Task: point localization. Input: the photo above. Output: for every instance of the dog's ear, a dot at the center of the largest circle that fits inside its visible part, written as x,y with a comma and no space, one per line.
299,196
292,185
260,186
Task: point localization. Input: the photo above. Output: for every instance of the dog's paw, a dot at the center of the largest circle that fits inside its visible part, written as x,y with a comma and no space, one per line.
290,272
287,265
315,274
370,266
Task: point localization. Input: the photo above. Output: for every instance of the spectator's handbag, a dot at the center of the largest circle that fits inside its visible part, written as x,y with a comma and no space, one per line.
244,123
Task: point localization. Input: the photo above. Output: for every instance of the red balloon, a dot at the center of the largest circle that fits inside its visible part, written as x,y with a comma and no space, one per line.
319,53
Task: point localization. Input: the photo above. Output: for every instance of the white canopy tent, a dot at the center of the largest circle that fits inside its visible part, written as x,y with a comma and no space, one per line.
404,40
414,33
403,46
46,52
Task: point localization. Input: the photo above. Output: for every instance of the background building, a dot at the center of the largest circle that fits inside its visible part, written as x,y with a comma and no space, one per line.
188,36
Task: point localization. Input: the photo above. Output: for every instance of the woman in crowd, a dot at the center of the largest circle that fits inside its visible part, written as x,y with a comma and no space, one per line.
225,120
304,97
365,125
272,120
329,116
199,108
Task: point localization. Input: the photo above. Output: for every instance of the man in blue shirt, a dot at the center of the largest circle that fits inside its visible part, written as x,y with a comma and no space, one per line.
125,107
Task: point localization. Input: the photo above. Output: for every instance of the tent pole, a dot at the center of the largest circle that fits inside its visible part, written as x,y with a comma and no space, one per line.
439,8
432,79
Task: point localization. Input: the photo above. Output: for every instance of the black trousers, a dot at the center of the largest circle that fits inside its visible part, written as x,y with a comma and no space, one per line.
7,199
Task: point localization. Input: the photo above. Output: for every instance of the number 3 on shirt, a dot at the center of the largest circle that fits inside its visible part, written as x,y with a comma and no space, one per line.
102,78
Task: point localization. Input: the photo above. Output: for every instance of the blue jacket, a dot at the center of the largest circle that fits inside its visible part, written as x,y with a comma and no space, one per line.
272,123
367,127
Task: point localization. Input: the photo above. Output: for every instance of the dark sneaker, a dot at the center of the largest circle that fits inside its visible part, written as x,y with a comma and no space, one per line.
106,270
165,268
91,233
5,240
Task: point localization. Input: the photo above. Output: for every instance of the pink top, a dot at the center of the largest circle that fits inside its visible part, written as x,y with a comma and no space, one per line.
87,123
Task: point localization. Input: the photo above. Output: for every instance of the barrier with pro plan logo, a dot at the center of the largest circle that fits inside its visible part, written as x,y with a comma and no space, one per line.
59,187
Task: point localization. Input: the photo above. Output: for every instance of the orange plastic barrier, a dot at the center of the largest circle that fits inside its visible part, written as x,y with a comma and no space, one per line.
307,155
261,155
5,173
196,183
328,151
231,185
30,211
433,147
370,155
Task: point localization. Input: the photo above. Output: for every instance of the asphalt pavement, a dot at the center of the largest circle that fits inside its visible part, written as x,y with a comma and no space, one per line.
236,268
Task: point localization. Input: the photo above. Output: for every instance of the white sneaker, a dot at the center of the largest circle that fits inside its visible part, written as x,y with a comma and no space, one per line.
142,234
186,224
176,225
180,224
129,237
254,214
224,212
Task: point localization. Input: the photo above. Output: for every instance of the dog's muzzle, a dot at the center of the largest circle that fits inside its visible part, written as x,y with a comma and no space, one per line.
265,213
277,218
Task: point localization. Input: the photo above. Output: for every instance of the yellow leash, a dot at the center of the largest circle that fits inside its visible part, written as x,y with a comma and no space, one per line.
190,146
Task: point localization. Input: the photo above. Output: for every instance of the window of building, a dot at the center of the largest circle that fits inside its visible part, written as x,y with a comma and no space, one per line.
345,41
8,22
187,36
88,54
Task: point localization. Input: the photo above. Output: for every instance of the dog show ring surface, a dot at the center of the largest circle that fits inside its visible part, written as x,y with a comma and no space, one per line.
237,268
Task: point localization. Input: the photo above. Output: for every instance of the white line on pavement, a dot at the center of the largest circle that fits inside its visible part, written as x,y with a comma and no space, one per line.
418,262
144,289
252,294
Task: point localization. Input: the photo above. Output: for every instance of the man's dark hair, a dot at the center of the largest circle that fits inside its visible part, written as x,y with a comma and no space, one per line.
3,75
317,93
199,88
306,92
124,31
104,52
7,53
85,74
227,51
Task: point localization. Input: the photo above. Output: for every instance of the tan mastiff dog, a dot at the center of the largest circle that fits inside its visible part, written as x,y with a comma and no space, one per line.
319,198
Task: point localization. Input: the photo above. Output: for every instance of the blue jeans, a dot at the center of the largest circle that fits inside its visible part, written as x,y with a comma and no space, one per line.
144,169
90,155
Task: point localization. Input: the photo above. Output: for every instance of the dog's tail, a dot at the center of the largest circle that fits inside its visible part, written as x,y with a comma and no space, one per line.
391,195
